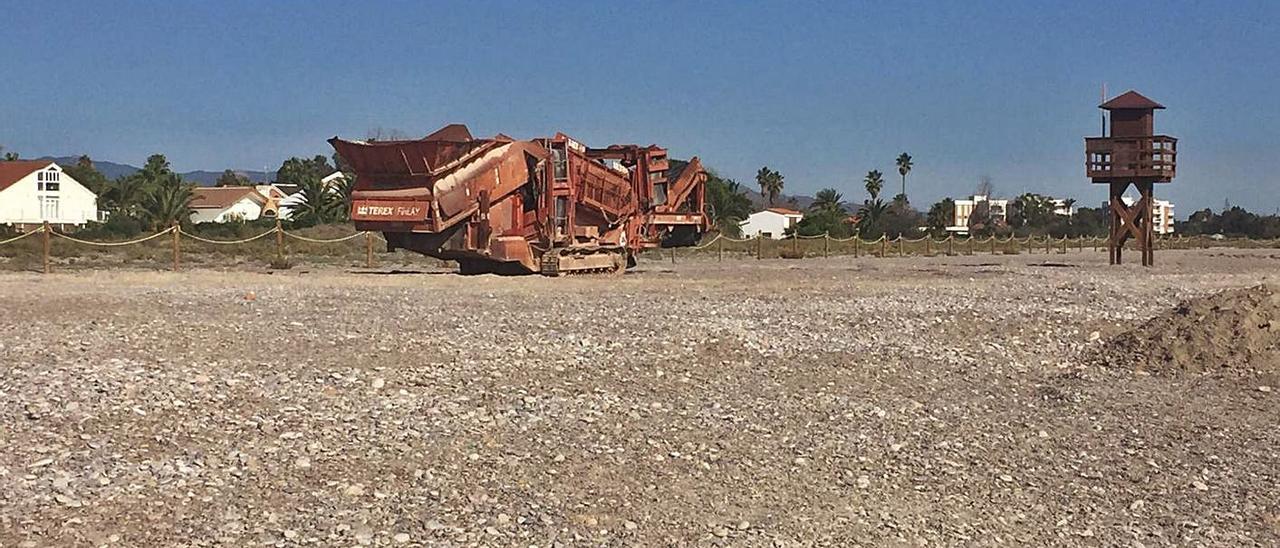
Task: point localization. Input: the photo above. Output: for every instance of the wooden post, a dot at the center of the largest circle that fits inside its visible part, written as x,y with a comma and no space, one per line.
928,241
993,245
759,246
1048,245
826,245
177,233
368,249
951,244
720,250
673,255
795,244
47,238
279,243
884,245
857,243
1064,245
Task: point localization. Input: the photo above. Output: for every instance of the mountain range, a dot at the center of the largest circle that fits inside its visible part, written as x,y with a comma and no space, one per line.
113,170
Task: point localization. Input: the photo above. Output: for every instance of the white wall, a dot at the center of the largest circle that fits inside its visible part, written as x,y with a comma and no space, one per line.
768,222
246,209
21,202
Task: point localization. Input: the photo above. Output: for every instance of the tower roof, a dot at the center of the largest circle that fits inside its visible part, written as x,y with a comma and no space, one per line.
1130,100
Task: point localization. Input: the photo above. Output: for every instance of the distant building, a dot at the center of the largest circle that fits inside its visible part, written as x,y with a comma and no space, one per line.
283,198
1060,207
276,195
333,179
997,212
35,191
1161,214
228,203
770,223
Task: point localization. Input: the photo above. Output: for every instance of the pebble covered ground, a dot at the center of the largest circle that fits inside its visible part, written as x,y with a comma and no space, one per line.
940,401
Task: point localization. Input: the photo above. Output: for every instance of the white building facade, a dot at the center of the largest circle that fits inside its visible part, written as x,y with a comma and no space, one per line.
997,212
33,192
227,204
770,223
1161,214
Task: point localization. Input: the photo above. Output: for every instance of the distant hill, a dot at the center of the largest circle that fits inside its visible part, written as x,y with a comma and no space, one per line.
113,170
759,202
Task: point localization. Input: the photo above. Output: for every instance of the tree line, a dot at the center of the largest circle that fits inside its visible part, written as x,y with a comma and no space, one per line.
155,197
1028,214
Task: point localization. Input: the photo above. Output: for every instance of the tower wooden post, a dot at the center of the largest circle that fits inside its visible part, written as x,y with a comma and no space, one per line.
1132,155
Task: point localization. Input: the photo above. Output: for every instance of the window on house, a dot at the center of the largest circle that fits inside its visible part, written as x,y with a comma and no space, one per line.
47,181
48,208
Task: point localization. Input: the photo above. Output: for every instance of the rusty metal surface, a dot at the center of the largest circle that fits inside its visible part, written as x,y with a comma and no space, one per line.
504,202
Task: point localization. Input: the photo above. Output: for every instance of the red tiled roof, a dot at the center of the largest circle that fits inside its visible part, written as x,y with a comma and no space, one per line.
13,171
784,211
223,196
1130,100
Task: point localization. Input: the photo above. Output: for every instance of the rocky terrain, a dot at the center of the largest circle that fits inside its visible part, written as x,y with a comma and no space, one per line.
842,402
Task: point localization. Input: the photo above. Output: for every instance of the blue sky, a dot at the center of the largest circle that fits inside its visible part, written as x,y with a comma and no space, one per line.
822,92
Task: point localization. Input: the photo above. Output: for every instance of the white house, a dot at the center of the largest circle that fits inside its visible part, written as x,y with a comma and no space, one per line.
35,191
997,211
227,203
1060,207
770,223
283,198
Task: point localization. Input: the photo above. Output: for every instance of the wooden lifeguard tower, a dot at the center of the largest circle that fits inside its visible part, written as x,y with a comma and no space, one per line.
1132,155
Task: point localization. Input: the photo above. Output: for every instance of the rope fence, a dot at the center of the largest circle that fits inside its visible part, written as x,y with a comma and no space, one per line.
177,234
793,247
824,245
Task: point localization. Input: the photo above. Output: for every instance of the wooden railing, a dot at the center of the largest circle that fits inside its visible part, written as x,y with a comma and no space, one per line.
1111,158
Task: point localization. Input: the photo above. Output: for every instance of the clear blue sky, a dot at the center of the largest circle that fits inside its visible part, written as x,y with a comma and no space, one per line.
822,92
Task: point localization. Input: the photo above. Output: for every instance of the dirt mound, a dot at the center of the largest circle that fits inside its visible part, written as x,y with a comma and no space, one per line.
1237,329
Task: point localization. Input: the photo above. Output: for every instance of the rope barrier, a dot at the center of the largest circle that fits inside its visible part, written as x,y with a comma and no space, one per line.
319,241
21,236
113,244
708,244
228,242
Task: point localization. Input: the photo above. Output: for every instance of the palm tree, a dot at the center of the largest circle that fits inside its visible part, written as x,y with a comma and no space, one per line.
827,199
126,194
1069,204
727,205
318,205
169,202
763,176
904,167
874,182
869,216
770,182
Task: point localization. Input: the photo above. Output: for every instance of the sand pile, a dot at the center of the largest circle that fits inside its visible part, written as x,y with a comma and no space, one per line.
1231,330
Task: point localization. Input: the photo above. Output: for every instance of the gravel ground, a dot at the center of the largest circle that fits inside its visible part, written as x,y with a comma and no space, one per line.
842,402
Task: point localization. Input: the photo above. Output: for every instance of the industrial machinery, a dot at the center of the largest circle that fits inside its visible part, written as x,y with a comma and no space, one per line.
547,205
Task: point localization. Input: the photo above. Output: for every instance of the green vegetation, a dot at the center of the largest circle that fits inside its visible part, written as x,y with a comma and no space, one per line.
727,204
231,178
771,183
1233,222
904,167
